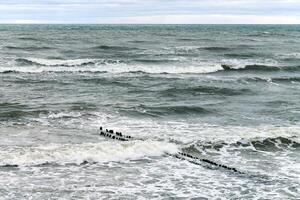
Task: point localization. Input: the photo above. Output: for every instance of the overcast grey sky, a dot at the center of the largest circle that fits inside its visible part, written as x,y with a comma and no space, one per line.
150,11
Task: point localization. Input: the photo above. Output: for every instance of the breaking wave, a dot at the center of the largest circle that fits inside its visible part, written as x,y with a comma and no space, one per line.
96,66
55,62
151,66
65,154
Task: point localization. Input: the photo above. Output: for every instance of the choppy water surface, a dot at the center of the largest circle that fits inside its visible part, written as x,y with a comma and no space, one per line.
165,84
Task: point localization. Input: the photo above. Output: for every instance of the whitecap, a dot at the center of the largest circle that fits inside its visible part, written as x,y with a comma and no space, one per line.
103,152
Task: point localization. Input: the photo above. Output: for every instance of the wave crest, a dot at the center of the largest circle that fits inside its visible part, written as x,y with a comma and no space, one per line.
150,66
63,154
261,68
56,62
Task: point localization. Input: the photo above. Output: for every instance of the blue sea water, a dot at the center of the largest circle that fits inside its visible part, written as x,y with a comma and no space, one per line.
228,93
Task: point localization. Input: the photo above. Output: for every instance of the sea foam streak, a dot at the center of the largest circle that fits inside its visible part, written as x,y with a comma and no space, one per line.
63,154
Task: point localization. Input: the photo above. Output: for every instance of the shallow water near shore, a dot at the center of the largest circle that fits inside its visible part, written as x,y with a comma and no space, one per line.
164,84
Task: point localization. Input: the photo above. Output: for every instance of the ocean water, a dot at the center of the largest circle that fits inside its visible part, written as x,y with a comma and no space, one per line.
227,93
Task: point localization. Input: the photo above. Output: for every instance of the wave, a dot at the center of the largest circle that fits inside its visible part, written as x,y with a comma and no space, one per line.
216,48
267,34
106,81
79,106
259,144
28,39
55,62
195,50
155,61
249,64
135,69
271,80
254,79
29,48
241,55
115,48
9,114
290,56
187,39
10,111
181,110
9,71
260,67
38,81
102,66
270,144
140,41
34,70
65,154
151,66
79,110
64,115
160,111
286,79
199,68
205,90
91,67
195,39
6,105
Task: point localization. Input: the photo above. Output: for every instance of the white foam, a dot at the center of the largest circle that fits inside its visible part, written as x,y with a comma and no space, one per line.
78,153
242,63
295,55
188,132
64,114
194,66
58,62
42,69
187,68
121,68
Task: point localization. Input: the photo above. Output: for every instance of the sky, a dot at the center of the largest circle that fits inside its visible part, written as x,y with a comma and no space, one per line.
150,11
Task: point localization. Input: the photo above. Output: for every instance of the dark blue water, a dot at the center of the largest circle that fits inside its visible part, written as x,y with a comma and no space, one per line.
229,93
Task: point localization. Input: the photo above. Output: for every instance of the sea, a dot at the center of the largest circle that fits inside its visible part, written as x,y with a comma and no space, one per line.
225,93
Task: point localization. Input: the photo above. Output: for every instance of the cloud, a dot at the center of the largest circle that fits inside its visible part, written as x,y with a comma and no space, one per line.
150,11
